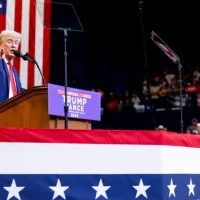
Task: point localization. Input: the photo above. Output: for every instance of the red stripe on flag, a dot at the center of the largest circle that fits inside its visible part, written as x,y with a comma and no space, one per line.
18,28
47,41
2,22
31,50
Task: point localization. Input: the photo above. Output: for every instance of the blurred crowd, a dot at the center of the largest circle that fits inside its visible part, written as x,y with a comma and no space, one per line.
164,93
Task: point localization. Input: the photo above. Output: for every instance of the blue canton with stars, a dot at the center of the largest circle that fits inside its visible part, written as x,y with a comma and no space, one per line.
3,7
86,187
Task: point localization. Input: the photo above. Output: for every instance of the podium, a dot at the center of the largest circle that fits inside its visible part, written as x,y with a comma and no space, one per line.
29,109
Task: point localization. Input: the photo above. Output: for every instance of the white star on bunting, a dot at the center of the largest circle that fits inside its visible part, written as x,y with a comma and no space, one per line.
59,190
141,189
101,190
13,190
1,6
171,188
191,188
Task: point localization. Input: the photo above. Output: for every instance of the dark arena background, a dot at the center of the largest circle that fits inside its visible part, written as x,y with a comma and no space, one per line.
108,56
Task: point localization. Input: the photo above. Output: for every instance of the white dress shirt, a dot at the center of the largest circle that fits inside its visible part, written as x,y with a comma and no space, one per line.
10,88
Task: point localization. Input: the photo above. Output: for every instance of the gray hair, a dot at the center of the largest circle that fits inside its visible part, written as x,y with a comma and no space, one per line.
6,33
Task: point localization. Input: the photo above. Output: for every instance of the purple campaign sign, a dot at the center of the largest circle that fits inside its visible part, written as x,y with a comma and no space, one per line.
82,104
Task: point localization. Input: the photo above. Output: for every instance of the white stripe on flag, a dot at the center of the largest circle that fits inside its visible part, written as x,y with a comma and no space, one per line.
25,42
39,43
52,158
10,16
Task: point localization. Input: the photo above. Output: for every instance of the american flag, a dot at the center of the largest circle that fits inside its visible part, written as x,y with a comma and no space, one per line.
98,164
164,47
23,17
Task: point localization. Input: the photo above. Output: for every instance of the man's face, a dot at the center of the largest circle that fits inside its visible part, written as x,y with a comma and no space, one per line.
10,43
194,123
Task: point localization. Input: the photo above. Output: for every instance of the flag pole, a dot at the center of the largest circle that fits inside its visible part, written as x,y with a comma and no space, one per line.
166,49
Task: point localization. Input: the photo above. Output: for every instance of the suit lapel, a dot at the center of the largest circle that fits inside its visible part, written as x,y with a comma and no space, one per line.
6,71
8,77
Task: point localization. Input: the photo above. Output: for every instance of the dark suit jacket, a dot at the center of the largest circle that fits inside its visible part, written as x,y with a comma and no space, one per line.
5,80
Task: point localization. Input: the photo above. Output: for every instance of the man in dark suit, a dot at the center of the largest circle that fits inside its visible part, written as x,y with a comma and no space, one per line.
10,84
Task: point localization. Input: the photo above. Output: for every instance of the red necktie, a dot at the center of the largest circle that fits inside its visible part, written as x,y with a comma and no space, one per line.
12,80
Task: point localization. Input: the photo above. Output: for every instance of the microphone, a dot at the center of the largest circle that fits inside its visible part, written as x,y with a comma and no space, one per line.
31,59
19,54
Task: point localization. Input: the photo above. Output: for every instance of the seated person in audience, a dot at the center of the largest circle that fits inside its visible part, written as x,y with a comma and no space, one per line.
111,103
135,100
128,105
154,91
193,129
163,94
198,128
161,128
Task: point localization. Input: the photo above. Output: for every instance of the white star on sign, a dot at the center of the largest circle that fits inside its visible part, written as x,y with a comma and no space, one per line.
13,190
59,190
101,190
191,188
141,189
171,188
1,6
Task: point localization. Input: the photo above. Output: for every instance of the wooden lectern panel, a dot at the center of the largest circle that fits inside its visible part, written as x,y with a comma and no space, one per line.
59,123
30,110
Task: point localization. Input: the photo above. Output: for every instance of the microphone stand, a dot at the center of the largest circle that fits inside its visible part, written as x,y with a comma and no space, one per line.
181,105
66,74
145,60
28,57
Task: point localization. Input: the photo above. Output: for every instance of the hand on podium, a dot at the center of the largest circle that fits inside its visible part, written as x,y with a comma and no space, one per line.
2,54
